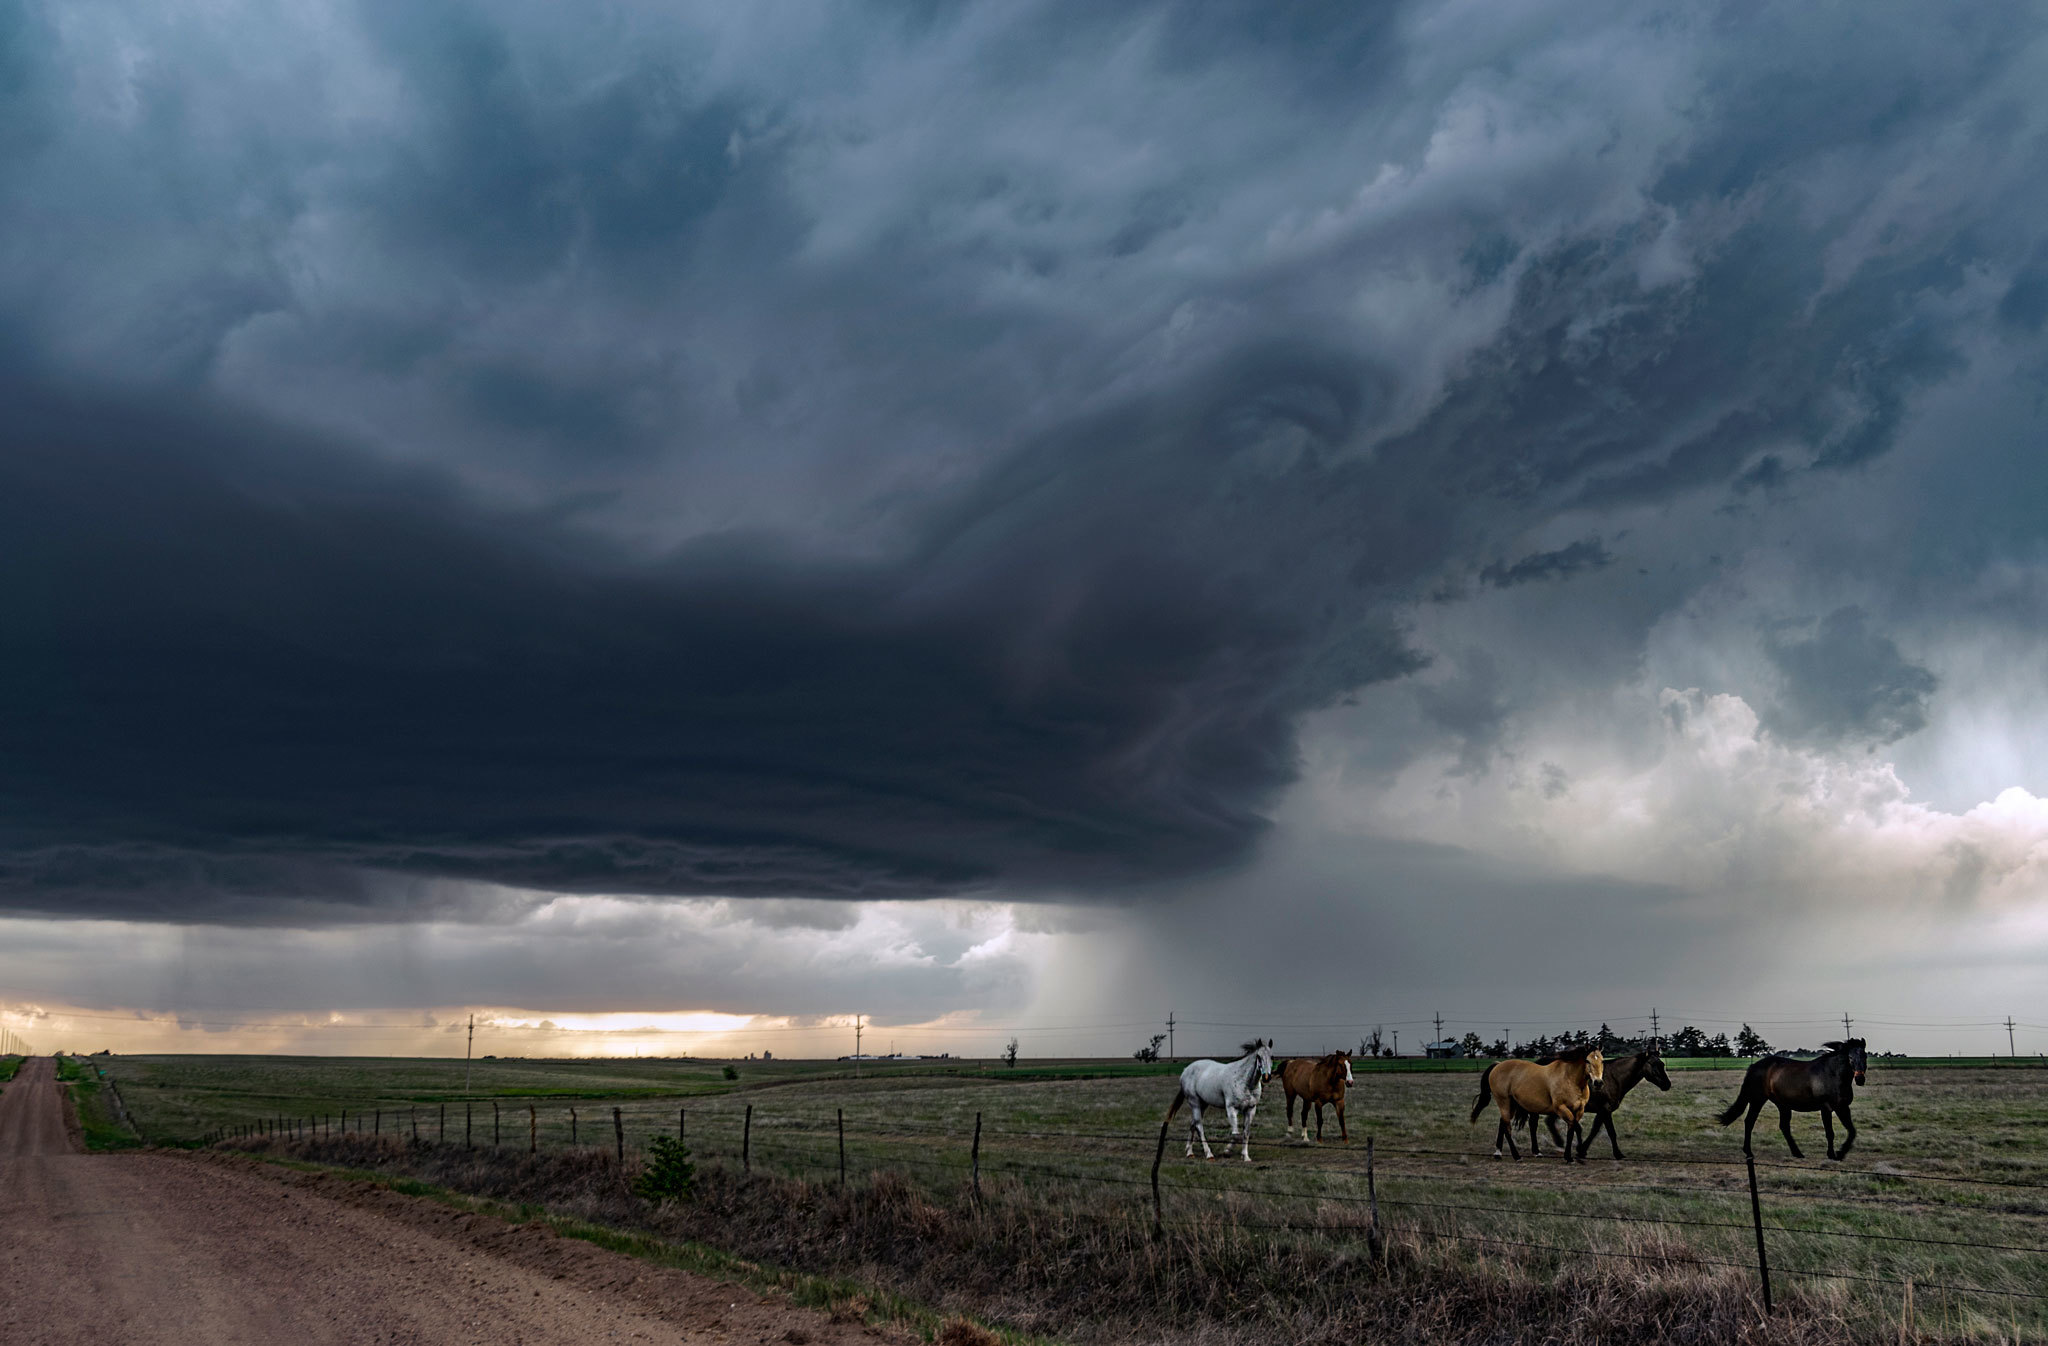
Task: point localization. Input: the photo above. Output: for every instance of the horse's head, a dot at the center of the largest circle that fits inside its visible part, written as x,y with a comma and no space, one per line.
1653,1070
1596,1066
1852,1050
1343,1060
1264,1070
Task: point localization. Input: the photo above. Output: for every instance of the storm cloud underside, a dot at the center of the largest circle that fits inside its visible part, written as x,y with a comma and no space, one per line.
883,457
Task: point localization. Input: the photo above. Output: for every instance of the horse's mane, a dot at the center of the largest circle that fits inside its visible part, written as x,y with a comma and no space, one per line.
1572,1054
1851,1045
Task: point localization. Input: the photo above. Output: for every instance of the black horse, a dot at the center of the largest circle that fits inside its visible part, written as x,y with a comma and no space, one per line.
1623,1074
1822,1085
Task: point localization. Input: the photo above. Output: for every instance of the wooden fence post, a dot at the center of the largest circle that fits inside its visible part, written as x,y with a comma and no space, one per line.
414,1115
1372,1197
977,1158
1756,1214
619,1134
380,1123
532,1130
842,1147
679,1126
496,1139
1158,1211
572,1126
468,1126
747,1142
441,1131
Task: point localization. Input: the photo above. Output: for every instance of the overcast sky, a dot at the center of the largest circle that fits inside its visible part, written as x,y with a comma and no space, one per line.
1020,518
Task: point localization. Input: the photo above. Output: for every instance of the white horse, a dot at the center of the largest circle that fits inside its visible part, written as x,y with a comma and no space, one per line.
1234,1086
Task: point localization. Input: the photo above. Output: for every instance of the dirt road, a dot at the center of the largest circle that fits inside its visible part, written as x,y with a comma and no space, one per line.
175,1248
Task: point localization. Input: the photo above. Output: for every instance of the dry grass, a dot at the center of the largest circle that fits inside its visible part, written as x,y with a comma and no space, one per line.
1092,1269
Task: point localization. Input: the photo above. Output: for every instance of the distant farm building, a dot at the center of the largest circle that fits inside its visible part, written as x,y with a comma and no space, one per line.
1444,1050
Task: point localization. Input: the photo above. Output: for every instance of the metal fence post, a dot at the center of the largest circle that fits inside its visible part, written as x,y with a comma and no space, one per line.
679,1126
747,1142
469,1126
842,1147
1756,1213
572,1126
619,1130
532,1130
977,1157
1158,1211
494,1126
1372,1198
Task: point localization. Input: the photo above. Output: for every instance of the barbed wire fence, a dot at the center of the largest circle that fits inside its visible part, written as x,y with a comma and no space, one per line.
1134,1167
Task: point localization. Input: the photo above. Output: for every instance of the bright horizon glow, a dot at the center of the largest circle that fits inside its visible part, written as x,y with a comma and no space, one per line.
621,1035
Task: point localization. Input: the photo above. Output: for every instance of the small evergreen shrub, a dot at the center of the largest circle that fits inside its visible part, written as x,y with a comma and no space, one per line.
669,1172
732,1072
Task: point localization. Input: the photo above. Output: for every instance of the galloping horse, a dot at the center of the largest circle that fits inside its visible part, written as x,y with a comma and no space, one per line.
1559,1086
1617,1077
1317,1080
1234,1086
1820,1085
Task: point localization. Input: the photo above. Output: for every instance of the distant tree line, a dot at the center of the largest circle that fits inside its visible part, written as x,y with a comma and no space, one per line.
1687,1041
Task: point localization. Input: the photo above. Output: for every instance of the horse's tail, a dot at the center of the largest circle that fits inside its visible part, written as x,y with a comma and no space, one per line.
1752,1091
1485,1092
1180,1096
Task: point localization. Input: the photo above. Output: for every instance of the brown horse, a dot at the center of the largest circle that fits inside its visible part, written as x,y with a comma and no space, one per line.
1317,1080
1821,1085
1558,1087
1617,1077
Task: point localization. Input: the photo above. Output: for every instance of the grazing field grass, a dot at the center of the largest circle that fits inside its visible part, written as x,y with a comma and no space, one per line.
8,1065
1947,1185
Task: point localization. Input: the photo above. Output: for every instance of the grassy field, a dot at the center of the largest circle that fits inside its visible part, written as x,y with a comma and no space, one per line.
8,1065
1948,1184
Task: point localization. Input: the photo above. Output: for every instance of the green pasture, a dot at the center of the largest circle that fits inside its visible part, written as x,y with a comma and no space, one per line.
1948,1150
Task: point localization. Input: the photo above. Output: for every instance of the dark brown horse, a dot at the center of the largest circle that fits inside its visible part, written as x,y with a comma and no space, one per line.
1317,1080
1623,1073
1825,1085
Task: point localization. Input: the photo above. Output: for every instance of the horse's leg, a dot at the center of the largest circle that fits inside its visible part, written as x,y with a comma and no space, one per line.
1848,1126
1827,1126
1506,1133
1196,1129
1534,1153
1556,1136
1607,1120
1250,1113
1343,1131
1785,1125
1749,1124
1319,1122
1289,1132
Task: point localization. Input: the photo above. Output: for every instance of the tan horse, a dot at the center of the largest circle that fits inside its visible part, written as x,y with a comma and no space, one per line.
1559,1087
1317,1080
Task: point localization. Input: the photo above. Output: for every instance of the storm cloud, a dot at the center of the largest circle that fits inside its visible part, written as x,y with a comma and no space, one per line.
876,454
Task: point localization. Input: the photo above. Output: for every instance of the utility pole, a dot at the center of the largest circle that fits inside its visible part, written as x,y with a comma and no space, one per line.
1655,1040
1439,1025
1169,1035
468,1053
856,1046
2014,1051
1848,1024
1397,1042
